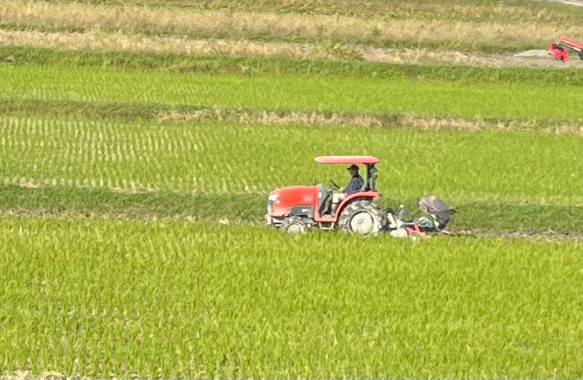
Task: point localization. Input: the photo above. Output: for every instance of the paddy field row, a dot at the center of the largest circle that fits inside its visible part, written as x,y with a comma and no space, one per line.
100,299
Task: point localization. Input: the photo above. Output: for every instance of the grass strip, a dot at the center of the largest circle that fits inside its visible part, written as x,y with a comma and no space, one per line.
180,63
324,50
134,112
145,205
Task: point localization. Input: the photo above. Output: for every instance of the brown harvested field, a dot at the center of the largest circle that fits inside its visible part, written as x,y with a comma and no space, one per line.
379,9
104,41
153,44
227,23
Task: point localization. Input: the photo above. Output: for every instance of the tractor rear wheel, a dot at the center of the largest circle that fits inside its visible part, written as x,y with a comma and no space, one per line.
361,217
294,225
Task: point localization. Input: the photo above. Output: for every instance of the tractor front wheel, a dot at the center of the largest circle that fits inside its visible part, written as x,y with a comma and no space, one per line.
294,225
361,217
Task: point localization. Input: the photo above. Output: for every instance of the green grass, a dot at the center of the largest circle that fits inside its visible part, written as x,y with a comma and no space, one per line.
289,92
181,63
79,110
155,112
101,202
172,300
536,168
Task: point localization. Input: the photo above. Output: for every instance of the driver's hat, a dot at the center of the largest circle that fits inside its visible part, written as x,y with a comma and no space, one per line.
353,166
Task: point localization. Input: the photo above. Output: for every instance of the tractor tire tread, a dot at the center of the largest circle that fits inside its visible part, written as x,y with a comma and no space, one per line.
358,206
293,220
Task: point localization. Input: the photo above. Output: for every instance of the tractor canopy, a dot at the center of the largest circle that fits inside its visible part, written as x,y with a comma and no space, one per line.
369,161
366,160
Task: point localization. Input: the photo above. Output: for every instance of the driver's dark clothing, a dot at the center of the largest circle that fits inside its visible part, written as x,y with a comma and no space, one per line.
355,184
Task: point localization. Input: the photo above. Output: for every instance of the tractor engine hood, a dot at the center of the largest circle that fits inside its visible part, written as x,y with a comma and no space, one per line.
281,200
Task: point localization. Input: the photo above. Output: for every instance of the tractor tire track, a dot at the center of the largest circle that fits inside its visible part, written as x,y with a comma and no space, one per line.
543,236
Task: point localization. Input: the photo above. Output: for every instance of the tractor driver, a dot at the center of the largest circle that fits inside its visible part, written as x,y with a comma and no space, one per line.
355,185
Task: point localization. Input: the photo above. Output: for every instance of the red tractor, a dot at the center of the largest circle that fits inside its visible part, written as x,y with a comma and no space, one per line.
297,208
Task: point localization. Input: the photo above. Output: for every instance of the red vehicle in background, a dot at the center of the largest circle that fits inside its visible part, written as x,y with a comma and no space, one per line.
559,50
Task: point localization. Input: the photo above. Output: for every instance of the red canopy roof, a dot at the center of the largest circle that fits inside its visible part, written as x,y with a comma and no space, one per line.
347,160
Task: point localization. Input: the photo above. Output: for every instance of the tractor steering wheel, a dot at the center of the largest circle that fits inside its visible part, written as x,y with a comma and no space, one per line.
333,185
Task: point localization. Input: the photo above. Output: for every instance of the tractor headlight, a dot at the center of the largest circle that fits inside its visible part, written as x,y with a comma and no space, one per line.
269,206
272,198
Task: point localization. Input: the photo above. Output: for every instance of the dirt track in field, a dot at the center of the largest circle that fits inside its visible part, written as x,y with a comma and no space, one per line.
575,3
548,236
523,234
